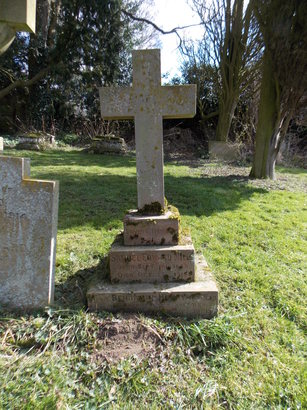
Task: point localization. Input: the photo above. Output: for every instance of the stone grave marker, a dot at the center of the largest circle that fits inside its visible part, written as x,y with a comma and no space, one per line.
28,228
28,207
1,144
153,267
108,144
147,102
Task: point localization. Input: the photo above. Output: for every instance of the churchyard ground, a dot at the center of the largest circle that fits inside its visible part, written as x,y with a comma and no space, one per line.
251,356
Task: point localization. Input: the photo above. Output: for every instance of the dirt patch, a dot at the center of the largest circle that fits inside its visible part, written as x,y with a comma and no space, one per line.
127,337
240,174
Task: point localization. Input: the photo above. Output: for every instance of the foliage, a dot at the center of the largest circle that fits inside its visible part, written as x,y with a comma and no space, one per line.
252,356
79,46
226,58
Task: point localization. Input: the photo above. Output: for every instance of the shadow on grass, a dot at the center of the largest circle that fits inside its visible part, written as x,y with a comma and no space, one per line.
72,293
208,195
101,200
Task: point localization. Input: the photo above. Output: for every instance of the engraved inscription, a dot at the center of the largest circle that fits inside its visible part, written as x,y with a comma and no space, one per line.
163,266
157,300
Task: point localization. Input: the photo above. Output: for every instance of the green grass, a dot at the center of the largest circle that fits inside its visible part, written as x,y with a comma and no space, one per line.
252,356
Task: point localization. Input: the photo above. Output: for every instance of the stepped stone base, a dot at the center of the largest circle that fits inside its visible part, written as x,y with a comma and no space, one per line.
139,264
151,230
191,300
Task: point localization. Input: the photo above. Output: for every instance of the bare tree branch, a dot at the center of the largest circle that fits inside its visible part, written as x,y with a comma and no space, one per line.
24,83
172,31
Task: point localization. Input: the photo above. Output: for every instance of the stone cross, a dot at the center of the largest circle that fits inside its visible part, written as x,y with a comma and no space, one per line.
147,102
15,15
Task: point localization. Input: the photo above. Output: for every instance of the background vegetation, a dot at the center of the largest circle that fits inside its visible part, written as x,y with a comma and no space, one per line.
249,66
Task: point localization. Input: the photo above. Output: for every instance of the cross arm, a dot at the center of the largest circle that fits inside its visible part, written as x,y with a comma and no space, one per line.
179,101
116,103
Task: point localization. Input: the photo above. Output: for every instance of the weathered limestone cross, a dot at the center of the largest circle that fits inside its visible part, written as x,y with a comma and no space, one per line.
147,102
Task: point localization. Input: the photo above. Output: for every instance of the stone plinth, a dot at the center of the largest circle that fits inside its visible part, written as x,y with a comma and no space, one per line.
191,300
102,144
35,141
152,264
31,143
151,230
1,144
28,228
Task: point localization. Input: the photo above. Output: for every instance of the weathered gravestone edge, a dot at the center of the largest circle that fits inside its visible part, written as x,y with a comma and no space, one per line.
190,300
28,229
1,144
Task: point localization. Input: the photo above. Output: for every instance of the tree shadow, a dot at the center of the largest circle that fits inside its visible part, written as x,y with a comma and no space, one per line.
101,200
208,195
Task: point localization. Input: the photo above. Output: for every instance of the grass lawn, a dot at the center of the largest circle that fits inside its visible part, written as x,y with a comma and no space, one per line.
252,356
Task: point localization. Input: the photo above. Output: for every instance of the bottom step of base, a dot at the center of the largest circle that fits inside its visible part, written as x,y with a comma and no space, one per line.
190,300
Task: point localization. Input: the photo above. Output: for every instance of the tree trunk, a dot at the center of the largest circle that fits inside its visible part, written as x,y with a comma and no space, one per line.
267,132
231,64
226,113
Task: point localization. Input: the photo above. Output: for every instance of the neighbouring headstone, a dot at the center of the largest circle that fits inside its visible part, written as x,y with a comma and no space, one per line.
108,144
28,229
1,144
153,266
35,141
28,208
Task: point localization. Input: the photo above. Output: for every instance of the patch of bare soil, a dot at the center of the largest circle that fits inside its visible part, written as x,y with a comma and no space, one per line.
180,143
239,174
126,337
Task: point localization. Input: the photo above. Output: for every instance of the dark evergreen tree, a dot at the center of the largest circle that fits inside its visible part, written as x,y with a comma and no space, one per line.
78,46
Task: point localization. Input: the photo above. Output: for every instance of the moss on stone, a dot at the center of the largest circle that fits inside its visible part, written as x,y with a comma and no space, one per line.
155,208
175,214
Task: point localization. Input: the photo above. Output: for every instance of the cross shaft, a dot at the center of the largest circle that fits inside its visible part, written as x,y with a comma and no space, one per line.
147,102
